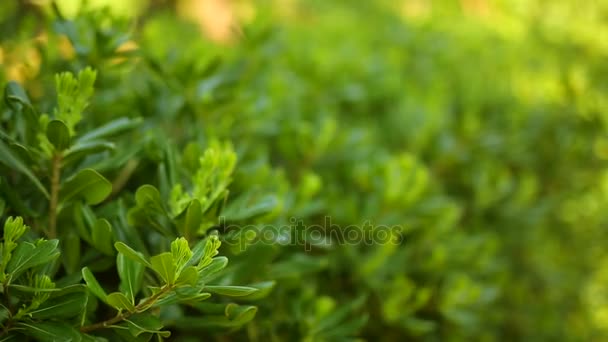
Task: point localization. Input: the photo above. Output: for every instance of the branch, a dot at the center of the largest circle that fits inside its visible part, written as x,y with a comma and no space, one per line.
141,307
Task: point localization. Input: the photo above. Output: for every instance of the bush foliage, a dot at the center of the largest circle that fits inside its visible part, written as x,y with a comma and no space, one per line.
343,171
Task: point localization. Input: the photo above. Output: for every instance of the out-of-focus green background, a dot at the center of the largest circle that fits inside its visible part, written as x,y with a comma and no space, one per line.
478,125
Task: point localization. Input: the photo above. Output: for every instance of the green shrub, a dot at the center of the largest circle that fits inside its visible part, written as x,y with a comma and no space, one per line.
402,179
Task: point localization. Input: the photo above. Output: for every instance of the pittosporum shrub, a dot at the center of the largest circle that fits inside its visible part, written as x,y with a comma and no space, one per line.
342,171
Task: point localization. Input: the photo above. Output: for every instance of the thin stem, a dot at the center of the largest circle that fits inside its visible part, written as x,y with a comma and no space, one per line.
143,306
55,184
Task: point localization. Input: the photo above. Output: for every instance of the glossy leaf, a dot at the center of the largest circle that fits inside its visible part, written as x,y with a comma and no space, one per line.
131,275
164,265
49,331
120,301
231,291
131,254
58,134
28,255
93,285
102,236
66,306
88,185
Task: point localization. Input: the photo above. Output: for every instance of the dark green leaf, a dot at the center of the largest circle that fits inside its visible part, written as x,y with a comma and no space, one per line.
148,197
146,323
70,251
28,255
101,236
192,220
63,307
9,159
49,331
58,134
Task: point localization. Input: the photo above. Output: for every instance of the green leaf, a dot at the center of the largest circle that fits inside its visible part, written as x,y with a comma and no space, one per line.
234,317
70,248
231,291
101,236
146,323
131,254
15,96
58,134
86,184
9,159
131,275
17,100
247,206
193,219
164,266
147,196
109,129
66,306
188,276
73,95
28,255
93,285
120,302
83,149
181,253
240,313
49,331
209,272
264,289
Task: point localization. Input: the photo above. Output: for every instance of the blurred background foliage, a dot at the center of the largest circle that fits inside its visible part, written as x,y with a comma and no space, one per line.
479,126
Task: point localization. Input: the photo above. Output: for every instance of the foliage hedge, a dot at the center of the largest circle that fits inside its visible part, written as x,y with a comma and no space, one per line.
187,190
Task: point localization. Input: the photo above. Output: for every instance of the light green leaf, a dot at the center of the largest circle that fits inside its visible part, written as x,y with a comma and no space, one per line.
120,302
131,275
181,252
231,291
58,134
188,276
28,255
93,285
131,254
87,184
164,266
